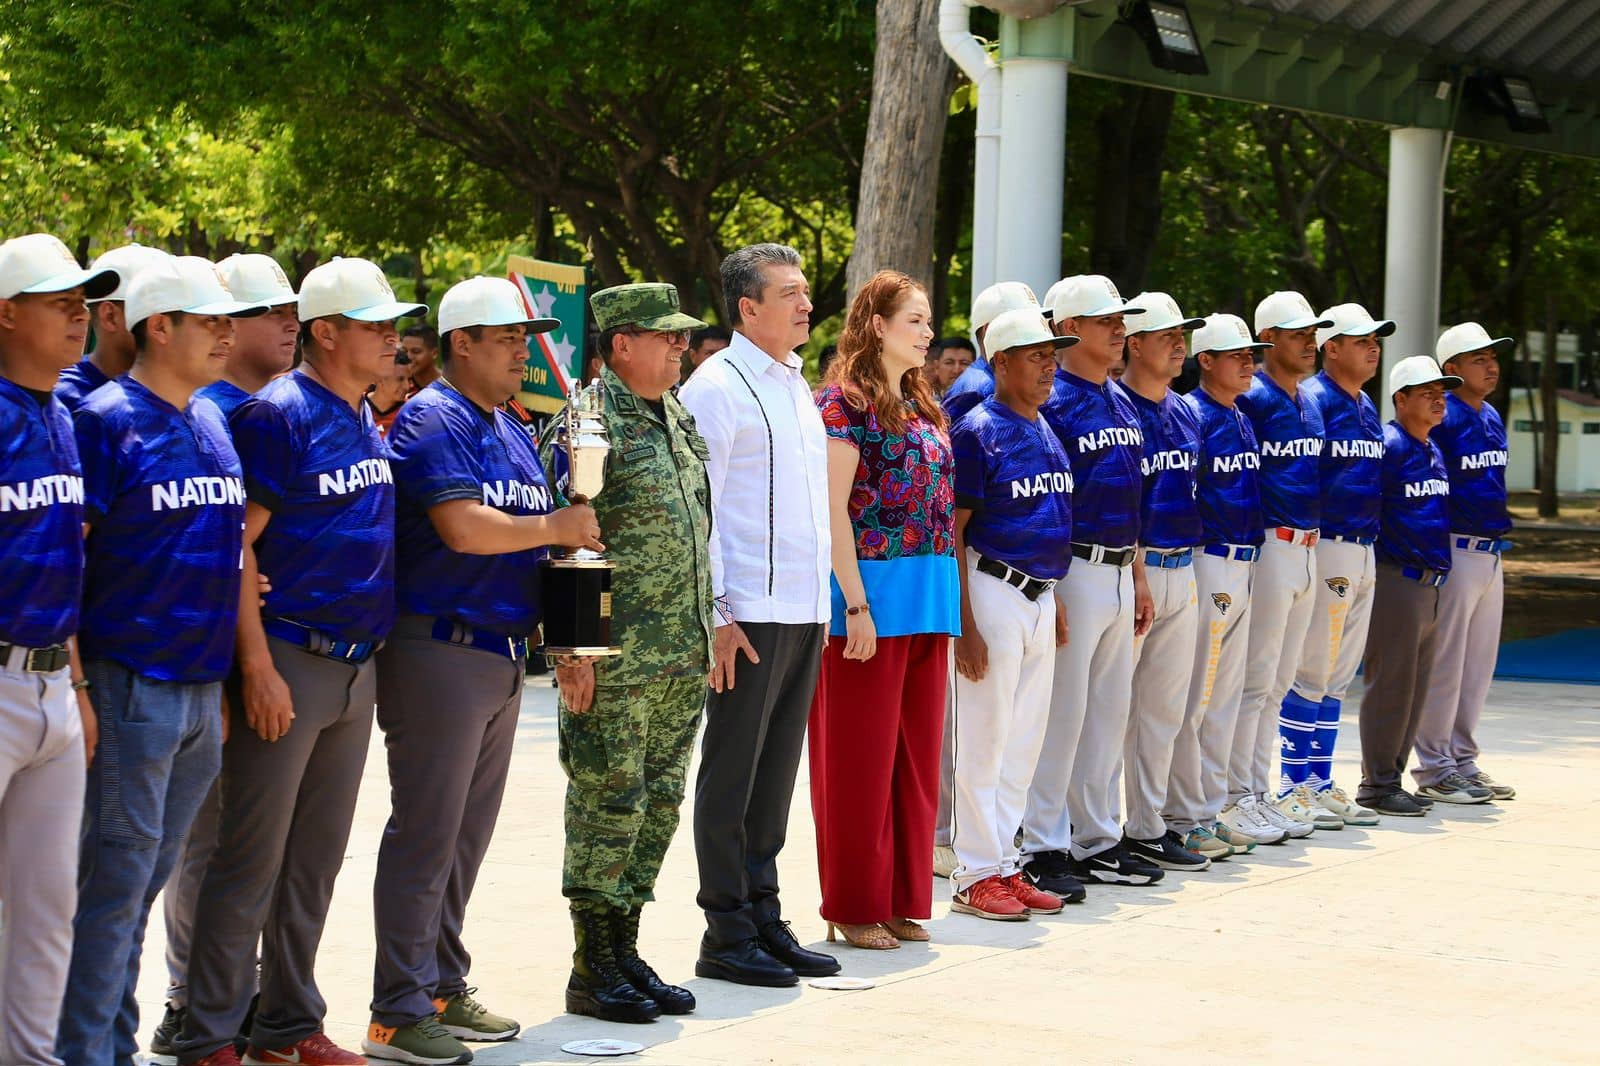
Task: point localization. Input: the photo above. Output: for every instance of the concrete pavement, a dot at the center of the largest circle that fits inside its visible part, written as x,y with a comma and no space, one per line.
1471,933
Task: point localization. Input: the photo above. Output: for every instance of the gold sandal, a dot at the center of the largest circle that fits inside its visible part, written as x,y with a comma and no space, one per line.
873,937
906,929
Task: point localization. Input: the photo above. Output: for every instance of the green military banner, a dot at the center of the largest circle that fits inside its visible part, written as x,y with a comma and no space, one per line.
552,290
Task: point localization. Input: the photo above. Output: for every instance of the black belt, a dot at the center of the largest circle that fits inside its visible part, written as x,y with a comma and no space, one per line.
1031,587
320,643
1099,553
37,660
512,648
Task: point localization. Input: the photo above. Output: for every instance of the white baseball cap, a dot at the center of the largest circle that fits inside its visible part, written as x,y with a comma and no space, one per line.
39,262
127,261
354,288
1020,327
1288,310
485,301
1224,333
1419,370
1086,296
1000,297
1468,337
184,283
1158,312
257,278
1351,320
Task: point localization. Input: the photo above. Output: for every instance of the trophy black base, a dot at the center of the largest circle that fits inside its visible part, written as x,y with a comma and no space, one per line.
577,606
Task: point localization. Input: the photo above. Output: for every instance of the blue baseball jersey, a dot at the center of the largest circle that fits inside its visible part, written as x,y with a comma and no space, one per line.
447,448
41,519
1099,430
226,395
972,387
1415,529
1169,514
1228,477
1290,435
76,382
1016,479
1473,443
1352,457
164,498
323,471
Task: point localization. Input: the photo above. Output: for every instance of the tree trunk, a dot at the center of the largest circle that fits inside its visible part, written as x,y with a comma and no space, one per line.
1550,431
911,84
1127,206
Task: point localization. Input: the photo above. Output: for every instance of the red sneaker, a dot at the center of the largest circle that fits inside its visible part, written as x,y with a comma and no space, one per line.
991,899
223,1056
314,1050
1036,899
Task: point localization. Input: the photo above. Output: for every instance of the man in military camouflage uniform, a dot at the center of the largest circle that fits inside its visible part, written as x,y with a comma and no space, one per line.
628,723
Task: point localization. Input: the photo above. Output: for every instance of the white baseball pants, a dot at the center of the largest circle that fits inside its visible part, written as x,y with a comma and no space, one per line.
1280,610
1466,645
1163,662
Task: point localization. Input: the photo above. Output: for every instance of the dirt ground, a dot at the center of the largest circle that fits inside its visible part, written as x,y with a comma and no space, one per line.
1553,575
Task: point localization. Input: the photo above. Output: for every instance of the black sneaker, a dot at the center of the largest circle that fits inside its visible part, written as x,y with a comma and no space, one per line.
1454,788
1396,805
162,1041
1051,872
1420,800
1114,866
1166,852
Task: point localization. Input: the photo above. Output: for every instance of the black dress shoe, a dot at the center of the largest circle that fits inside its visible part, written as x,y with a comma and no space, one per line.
782,945
745,962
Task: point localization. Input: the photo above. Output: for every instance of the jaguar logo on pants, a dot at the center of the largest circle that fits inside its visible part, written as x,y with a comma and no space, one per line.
1339,585
1222,600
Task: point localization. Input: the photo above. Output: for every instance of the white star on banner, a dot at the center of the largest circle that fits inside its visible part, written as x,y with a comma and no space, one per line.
544,300
564,350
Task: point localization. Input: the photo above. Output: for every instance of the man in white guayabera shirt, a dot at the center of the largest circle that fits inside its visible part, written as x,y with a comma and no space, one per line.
770,545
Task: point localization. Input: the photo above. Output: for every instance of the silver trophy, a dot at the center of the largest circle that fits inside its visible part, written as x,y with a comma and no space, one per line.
577,584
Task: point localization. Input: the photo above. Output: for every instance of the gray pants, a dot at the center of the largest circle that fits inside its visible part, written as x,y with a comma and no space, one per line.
183,890
754,736
286,813
449,720
1470,607
1399,659
947,761
41,811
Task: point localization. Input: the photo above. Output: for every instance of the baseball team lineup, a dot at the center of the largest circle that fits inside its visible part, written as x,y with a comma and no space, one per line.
1052,629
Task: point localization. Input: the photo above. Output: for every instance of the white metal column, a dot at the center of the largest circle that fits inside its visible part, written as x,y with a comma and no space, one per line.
1411,265
1033,158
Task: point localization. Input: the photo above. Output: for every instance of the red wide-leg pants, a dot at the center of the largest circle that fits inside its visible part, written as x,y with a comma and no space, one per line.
876,731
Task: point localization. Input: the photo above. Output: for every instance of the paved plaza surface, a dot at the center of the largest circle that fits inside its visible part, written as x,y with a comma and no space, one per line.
1473,933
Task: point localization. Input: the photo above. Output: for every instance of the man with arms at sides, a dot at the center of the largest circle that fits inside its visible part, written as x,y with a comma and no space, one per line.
473,514
263,348
47,725
1352,459
114,346
770,561
1073,804
1472,439
320,520
164,506
1229,498
972,387
1289,432
1169,536
627,723
1013,528
1413,562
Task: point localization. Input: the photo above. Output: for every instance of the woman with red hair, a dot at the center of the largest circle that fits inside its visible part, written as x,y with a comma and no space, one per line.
877,721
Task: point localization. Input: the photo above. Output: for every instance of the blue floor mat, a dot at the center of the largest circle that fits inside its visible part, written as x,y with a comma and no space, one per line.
1573,656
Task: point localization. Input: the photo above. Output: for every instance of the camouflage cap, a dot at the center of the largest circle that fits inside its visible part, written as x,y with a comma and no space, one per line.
648,305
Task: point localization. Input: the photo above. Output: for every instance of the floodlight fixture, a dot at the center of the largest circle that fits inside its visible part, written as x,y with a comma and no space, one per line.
1169,35
1512,98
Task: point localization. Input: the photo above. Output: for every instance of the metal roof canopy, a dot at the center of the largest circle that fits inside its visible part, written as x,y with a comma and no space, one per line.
1373,60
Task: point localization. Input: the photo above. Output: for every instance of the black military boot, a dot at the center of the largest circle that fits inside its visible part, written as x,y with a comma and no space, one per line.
597,987
625,942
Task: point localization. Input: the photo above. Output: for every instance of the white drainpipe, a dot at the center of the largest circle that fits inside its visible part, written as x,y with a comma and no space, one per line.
975,62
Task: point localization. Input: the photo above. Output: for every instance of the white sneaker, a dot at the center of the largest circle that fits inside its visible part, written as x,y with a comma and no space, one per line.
1241,818
944,860
1278,820
1308,807
1335,799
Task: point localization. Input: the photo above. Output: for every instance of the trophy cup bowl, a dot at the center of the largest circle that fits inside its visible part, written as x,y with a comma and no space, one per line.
577,584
